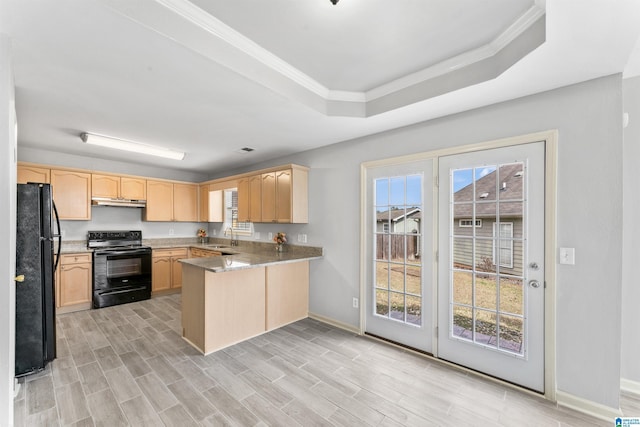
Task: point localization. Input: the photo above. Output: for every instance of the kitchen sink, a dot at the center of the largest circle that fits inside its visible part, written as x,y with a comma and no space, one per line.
218,246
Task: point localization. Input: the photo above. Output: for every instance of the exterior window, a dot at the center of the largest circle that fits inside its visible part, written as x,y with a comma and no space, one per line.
505,244
467,223
231,213
385,227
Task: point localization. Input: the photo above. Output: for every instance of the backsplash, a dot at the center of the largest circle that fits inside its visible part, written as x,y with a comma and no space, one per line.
117,218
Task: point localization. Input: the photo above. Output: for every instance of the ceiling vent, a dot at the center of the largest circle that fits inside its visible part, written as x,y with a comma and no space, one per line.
245,150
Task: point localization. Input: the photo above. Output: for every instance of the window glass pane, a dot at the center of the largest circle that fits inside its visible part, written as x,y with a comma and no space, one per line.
485,183
382,302
462,188
413,279
511,332
382,246
397,247
462,253
486,329
397,306
382,192
462,322
396,196
511,295
511,181
413,249
414,310
382,275
486,291
462,288
396,277
414,190
382,220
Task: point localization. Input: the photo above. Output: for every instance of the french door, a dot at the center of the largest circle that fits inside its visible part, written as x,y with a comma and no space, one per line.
400,246
491,267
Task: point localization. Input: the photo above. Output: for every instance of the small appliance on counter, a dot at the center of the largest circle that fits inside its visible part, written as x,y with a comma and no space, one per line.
121,267
35,286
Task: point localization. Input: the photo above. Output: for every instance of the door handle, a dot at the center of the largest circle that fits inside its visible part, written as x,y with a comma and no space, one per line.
19,278
534,284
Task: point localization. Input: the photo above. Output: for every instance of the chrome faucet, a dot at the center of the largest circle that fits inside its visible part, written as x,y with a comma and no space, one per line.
232,241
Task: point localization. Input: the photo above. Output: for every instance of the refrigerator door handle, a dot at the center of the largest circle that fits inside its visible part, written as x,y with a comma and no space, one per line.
59,236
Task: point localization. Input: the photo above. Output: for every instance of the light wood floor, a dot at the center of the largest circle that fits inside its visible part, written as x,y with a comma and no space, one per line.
127,365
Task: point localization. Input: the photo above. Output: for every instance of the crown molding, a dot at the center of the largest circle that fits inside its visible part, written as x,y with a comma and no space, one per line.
244,56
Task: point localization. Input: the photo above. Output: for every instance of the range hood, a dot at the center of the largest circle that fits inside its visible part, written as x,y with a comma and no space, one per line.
126,203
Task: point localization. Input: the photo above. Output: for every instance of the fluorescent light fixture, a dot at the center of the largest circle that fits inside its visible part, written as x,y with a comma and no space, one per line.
136,147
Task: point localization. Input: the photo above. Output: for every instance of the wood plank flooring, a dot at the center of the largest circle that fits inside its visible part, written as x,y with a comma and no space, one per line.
128,365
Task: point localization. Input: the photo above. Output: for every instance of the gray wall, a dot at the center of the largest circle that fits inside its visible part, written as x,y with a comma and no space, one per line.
588,118
8,233
631,237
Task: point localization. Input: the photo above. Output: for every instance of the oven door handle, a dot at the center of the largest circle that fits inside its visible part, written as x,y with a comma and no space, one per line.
125,252
139,288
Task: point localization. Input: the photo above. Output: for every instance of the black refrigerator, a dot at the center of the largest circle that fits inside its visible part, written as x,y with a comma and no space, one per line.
35,296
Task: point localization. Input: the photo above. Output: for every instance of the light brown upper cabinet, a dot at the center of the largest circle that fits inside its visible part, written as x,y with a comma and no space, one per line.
167,201
285,196
250,199
33,174
203,206
185,202
72,194
114,187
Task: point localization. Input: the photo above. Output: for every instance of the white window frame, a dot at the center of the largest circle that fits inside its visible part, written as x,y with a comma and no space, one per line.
231,215
462,223
497,237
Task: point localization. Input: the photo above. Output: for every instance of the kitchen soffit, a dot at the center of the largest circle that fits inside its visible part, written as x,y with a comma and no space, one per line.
351,59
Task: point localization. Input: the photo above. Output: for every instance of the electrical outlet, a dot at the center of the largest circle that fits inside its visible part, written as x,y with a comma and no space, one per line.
270,236
302,238
356,303
256,235
171,232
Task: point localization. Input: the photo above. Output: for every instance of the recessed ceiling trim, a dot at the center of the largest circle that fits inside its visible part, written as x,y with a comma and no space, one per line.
221,30
269,70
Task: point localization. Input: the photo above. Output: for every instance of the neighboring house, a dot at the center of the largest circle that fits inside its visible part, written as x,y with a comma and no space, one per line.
399,220
500,190
392,225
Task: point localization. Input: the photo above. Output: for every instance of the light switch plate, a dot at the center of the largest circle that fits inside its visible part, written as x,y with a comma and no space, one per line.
568,256
256,235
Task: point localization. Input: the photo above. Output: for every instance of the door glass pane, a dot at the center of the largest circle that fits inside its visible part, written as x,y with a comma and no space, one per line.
487,224
398,252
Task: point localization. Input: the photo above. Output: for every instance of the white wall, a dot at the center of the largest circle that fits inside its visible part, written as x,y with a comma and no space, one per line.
631,238
588,117
8,233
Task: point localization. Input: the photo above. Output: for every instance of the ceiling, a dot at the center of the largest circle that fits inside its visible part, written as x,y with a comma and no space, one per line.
209,77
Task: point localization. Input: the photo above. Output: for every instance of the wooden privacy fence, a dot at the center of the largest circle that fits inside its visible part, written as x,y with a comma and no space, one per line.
392,246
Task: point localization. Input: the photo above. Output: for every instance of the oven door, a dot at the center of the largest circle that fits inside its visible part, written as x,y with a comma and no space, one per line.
121,275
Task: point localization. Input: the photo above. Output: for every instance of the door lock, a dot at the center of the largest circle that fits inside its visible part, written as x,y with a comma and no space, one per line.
534,284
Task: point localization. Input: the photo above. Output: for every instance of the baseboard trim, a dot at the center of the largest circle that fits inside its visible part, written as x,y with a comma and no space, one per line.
335,323
630,386
605,413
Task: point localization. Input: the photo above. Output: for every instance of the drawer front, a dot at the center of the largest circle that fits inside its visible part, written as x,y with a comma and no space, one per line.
201,253
82,258
176,252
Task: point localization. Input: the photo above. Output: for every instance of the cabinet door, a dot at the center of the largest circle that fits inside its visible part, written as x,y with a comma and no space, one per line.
283,196
176,272
255,201
185,202
72,194
244,213
161,273
203,202
133,188
75,284
216,206
32,174
269,197
105,186
159,201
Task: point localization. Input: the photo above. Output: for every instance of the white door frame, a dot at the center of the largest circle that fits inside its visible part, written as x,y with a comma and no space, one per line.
550,138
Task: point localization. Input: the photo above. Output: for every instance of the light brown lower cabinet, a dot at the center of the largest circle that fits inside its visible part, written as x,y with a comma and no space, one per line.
74,282
222,309
166,270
